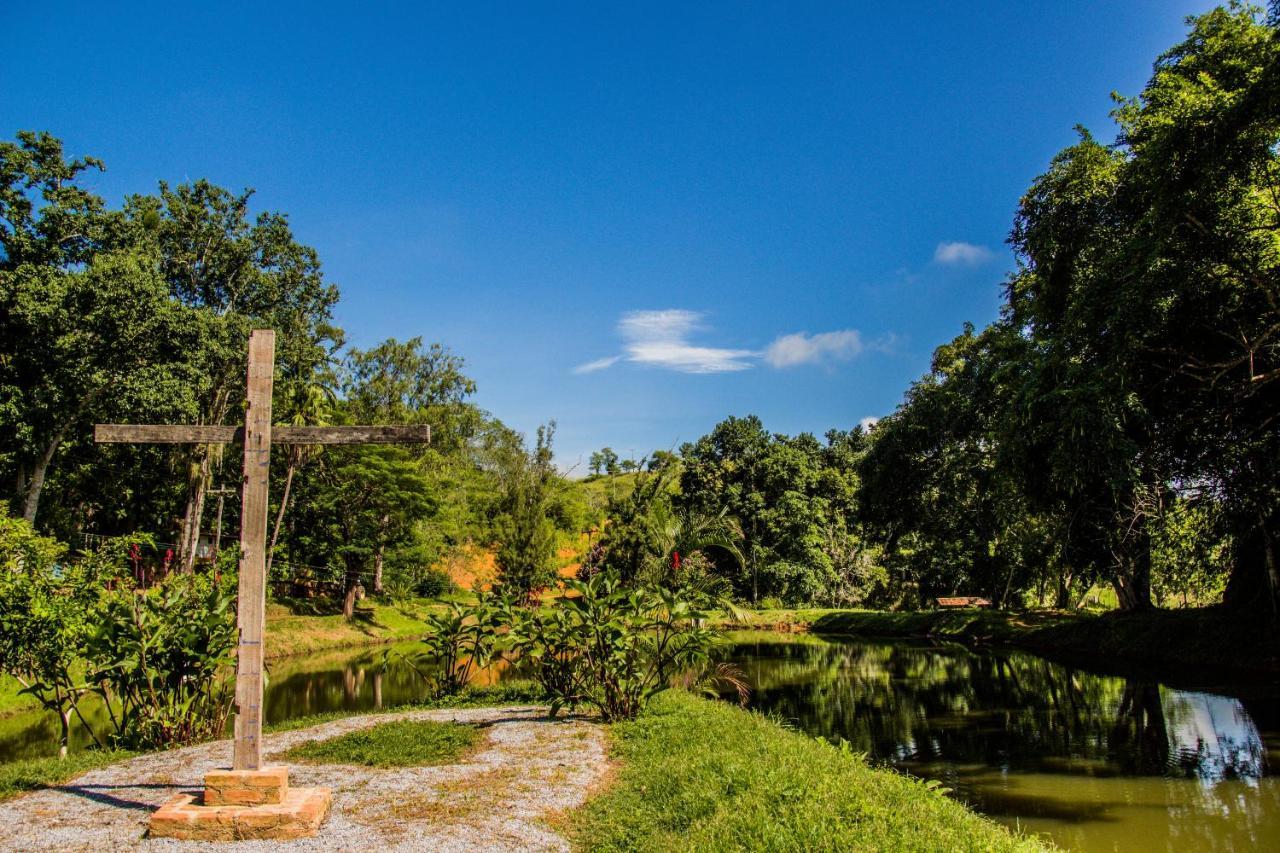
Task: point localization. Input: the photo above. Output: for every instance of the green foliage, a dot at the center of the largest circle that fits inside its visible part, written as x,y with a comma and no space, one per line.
44,619
610,647
700,775
162,658
524,528
791,499
463,639
1190,554
434,583
405,743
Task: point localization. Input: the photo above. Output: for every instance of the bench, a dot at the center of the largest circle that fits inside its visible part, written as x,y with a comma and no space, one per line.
962,601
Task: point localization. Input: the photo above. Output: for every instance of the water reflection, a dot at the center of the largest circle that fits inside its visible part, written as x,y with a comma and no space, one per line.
296,687
1096,762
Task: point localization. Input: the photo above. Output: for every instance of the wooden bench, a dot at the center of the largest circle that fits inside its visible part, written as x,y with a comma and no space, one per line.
962,601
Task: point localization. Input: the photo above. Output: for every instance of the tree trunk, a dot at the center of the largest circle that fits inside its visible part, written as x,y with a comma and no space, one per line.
1133,582
377,572
35,485
197,485
1254,583
351,587
64,717
284,502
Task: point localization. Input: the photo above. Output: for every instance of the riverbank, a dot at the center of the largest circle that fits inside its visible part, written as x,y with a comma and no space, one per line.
690,773
696,774
1209,638
299,628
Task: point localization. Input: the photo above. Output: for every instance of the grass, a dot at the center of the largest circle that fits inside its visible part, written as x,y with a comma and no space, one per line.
404,743
304,627
702,775
33,774
12,699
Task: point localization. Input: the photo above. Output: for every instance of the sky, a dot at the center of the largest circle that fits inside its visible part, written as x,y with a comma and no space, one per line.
635,219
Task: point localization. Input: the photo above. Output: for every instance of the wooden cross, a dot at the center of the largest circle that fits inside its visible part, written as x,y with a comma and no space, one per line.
258,435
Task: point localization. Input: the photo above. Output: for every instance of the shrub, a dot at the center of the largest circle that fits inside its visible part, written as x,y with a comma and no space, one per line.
161,659
434,583
611,647
44,609
462,640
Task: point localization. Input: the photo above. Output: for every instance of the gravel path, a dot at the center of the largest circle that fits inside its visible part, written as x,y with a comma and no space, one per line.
499,799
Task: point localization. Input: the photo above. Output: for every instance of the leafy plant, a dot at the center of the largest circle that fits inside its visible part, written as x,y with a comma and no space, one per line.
44,607
462,640
161,659
610,647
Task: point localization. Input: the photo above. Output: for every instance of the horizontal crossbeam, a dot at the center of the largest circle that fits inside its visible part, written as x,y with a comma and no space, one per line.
181,434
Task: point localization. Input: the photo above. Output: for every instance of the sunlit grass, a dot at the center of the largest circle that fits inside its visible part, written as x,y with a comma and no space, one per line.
403,743
33,774
702,775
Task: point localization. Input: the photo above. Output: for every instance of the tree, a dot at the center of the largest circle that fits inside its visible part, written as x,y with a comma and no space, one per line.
525,531
359,504
1147,294
604,461
236,273
85,324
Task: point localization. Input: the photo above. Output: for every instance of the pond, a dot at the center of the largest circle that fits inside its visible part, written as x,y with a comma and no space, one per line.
344,680
1092,761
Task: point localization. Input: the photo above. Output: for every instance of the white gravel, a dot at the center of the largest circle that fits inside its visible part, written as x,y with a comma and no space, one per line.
499,799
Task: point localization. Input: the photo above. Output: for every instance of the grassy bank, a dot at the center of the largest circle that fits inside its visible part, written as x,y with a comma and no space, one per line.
1201,638
298,628
701,775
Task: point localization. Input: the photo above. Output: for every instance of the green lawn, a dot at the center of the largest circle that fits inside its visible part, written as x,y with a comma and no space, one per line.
702,775
404,743
302,627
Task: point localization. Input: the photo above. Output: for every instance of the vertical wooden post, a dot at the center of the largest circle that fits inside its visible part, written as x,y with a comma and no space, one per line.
252,600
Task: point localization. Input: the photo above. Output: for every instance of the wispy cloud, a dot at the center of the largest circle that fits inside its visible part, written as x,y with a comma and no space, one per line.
665,339
961,254
868,422
802,348
598,364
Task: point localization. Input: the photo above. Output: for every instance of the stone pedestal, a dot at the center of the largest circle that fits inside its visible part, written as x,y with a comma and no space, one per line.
241,805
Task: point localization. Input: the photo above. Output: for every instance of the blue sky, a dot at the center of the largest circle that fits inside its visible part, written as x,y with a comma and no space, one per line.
636,219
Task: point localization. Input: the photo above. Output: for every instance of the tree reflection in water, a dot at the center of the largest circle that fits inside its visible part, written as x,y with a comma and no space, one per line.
1037,743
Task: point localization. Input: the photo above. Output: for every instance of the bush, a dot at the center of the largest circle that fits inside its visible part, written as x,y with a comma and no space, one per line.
610,647
434,583
162,659
44,619
462,640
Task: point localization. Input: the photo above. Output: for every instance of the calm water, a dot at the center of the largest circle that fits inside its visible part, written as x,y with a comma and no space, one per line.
1094,762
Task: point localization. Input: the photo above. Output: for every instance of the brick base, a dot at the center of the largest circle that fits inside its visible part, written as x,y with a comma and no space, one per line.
263,787
299,815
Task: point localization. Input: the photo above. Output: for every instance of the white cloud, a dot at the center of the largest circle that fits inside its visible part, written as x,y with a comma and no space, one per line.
665,339
802,348
868,422
661,339
598,364
961,254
